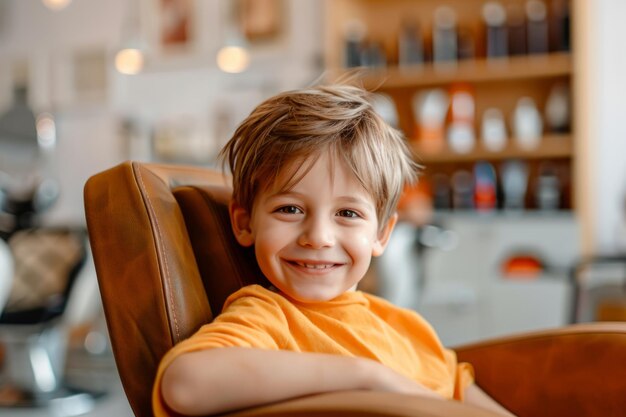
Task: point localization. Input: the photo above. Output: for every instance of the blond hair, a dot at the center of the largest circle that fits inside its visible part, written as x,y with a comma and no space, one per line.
298,125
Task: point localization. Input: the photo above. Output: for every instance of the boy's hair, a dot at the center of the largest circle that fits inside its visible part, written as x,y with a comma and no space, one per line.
296,126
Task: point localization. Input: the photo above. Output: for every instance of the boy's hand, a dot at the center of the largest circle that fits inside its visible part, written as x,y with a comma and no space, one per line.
382,378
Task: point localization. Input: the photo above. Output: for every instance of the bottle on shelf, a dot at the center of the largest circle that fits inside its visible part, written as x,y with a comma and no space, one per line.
373,55
441,190
494,16
445,47
410,46
485,187
557,109
514,177
493,130
354,36
429,110
463,190
537,27
560,26
516,29
527,124
460,133
548,188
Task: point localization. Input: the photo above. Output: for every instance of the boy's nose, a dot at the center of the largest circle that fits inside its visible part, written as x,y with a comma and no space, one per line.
317,233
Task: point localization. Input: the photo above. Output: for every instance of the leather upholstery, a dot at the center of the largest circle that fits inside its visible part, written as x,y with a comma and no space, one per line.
574,371
166,260
224,265
149,281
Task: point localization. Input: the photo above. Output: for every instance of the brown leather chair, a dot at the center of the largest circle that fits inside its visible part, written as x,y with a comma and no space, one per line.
166,260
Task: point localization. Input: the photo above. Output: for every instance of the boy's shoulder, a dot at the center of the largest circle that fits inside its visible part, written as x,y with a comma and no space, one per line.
387,310
254,292
377,302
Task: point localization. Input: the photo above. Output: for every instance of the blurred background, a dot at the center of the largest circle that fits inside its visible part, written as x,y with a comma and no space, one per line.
513,107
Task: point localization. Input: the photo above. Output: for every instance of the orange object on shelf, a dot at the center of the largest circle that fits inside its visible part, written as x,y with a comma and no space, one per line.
416,203
429,111
430,138
462,103
522,266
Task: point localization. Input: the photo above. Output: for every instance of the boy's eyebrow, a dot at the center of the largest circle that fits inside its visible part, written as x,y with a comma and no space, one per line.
346,198
351,199
286,193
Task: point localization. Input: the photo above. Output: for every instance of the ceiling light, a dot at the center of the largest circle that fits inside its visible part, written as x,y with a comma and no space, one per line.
56,4
129,61
233,59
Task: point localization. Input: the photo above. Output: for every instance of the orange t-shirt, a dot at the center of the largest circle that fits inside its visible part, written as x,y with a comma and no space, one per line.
353,324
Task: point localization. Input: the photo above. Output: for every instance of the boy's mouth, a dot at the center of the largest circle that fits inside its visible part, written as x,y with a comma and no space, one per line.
313,265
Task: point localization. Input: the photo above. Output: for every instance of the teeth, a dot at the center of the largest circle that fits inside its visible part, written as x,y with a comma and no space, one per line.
318,266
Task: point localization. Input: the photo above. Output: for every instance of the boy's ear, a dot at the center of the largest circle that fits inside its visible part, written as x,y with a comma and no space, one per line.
240,222
383,236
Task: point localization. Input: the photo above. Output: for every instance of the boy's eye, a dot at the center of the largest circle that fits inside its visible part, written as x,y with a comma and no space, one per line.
289,210
348,213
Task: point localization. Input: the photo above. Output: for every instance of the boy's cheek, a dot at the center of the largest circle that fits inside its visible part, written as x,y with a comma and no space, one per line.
274,232
362,240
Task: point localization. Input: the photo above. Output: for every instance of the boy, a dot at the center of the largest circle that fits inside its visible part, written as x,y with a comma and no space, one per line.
316,179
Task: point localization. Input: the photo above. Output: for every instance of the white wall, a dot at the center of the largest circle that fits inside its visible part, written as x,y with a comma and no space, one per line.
609,179
173,83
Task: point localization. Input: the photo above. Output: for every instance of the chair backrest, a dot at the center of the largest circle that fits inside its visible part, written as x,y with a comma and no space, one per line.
166,260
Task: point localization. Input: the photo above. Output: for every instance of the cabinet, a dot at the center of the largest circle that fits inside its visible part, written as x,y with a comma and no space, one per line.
492,81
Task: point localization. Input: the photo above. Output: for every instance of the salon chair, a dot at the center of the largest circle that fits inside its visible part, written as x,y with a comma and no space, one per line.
43,263
166,260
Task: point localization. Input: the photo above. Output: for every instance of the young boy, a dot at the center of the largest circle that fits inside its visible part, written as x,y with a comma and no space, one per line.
316,179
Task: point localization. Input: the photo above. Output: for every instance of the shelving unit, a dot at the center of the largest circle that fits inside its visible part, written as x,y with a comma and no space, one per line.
479,70
494,82
555,146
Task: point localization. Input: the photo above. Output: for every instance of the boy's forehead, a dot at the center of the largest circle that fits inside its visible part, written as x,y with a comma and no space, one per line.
291,173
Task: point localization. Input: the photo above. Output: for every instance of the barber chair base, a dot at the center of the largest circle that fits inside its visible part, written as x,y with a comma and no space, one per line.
33,371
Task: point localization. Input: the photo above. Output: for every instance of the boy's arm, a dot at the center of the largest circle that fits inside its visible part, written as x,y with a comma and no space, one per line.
476,396
223,379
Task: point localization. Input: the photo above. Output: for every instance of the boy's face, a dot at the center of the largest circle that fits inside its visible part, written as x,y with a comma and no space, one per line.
314,241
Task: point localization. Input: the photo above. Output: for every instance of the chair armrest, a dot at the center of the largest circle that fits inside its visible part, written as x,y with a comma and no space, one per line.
364,404
574,370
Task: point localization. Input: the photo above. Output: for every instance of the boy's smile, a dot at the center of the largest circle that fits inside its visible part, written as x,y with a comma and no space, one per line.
315,240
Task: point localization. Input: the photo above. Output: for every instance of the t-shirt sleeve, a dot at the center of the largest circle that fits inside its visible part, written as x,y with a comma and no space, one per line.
463,373
440,370
245,322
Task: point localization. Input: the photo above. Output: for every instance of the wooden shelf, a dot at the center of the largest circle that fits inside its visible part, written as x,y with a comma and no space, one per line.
558,146
474,71
493,82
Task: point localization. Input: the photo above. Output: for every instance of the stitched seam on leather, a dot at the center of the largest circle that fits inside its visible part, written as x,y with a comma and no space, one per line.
223,238
160,246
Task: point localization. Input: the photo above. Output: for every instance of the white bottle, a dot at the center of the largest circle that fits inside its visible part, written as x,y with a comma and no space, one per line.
493,130
527,124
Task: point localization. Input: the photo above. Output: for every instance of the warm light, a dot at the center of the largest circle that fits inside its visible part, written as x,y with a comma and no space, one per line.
46,131
233,59
129,61
56,4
